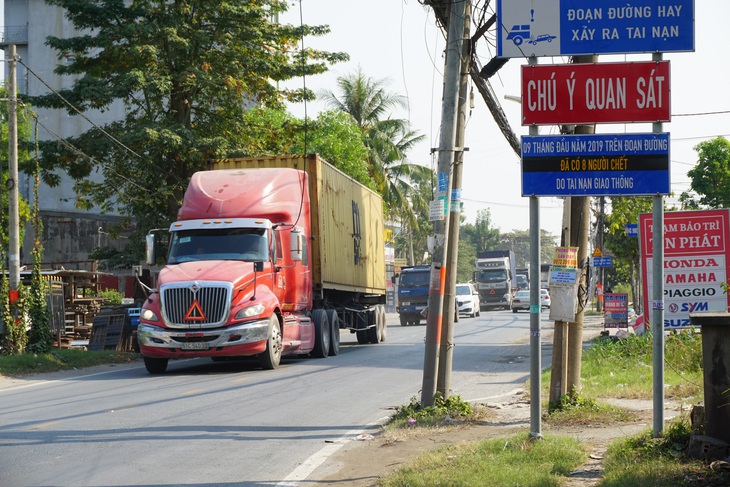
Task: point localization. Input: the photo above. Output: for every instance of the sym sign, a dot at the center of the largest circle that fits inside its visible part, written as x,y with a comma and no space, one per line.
595,164
528,28
595,93
696,253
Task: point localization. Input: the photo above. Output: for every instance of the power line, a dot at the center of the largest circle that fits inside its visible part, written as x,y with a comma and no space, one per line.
111,137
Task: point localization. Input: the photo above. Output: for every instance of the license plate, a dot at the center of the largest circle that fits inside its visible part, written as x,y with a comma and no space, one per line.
194,346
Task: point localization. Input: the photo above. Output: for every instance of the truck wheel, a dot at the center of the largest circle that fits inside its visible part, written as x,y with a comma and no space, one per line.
362,332
403,320
155,365
373,331
271,357
383,325
334,321
321,333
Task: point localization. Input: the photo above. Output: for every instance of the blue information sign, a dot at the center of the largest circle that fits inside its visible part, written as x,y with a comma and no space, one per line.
595,164
602,261
583,27
632,229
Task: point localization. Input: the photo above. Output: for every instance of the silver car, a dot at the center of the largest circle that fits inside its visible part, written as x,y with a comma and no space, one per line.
521,301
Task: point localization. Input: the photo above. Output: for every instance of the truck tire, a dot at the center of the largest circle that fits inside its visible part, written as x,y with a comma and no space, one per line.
362,332
334,321
374,330
271,357
383,324
321,333
155,365
404,319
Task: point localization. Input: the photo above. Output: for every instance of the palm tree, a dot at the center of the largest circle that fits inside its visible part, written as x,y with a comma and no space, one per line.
388,141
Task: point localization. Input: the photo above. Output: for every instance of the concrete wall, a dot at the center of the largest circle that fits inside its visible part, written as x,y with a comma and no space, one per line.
69,234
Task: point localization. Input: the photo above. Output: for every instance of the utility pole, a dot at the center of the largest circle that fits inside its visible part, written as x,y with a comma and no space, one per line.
452,71
599,240
450,307
13,219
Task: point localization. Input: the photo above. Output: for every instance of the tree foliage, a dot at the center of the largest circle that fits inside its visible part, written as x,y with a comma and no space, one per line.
711,176
481,235
519,242
625,249
185,73
388,140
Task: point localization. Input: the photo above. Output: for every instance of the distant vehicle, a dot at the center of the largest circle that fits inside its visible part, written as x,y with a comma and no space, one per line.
519,33
521,301
542,38
495,278
467,299
544,299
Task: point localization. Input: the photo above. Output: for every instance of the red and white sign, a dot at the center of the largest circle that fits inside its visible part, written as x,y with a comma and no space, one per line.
595,93
696,251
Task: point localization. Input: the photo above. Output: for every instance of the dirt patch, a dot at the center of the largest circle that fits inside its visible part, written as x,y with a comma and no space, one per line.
362,463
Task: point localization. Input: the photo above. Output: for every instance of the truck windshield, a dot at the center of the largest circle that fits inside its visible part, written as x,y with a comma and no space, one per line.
247,244
415,279
495,275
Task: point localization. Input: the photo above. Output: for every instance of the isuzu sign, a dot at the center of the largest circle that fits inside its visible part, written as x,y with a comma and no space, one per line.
696,254
583,27
595,93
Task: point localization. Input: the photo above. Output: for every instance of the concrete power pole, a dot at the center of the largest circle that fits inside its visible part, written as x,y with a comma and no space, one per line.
450,307
13,218
454,41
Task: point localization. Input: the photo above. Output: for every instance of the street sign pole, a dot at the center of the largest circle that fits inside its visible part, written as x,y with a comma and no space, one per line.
657,311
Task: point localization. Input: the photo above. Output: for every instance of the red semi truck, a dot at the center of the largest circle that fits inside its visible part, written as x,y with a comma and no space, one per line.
269,257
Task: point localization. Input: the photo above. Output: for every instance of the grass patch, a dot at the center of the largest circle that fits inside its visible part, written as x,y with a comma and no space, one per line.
586,411
623,368
514,460
60,359
444,412
646,461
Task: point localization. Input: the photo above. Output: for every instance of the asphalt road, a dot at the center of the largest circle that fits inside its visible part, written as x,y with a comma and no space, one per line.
232,424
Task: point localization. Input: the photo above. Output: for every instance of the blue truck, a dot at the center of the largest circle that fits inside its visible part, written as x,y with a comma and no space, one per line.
414,283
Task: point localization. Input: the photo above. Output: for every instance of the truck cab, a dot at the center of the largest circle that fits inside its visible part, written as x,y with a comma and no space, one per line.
413,285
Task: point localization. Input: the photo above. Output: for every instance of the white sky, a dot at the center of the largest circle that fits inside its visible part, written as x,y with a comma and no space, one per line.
399,41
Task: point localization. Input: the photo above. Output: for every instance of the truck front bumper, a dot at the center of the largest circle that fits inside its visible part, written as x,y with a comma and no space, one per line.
245,339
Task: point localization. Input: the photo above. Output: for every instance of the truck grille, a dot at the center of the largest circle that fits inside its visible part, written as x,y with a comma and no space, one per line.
196,304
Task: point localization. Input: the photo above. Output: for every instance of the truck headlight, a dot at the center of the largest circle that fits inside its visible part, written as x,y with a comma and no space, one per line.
251,311
149,315
406,303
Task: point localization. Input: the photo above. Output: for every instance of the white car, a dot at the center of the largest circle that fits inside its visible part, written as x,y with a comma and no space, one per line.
467,299
544,299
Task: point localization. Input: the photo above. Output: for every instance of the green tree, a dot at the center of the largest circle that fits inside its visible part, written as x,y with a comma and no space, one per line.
481,235
388,140
711,176
185,73
625,250
332,134
518,241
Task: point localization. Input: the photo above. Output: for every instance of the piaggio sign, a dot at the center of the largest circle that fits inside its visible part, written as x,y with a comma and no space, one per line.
595,93
696,253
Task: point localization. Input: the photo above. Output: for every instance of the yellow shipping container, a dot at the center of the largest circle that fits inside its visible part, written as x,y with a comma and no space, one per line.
348,250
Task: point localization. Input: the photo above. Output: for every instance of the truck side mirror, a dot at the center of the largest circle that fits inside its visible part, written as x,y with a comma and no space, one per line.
394,278
258,266
149,249
295,245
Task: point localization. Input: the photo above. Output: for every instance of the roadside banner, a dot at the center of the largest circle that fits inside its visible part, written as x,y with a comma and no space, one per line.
696,253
